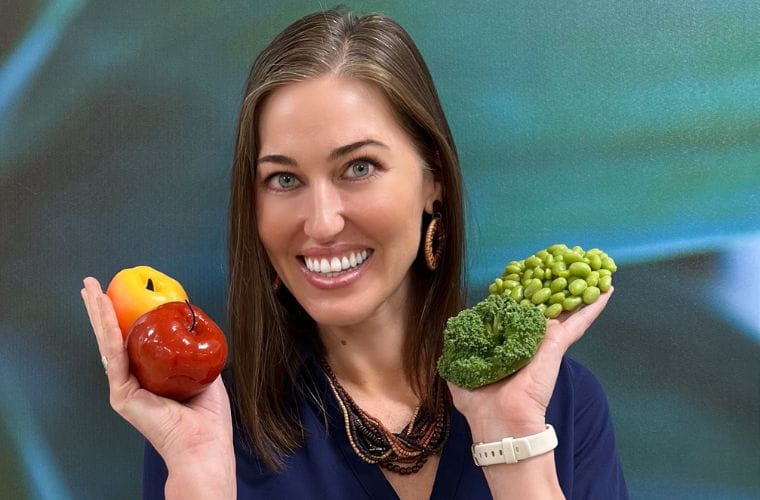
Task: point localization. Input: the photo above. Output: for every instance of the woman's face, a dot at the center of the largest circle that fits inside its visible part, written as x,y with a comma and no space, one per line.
340,195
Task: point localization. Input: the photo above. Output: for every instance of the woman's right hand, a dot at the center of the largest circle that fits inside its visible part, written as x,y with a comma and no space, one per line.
186,435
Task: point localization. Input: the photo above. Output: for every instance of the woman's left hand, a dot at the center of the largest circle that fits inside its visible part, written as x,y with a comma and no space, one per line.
516,405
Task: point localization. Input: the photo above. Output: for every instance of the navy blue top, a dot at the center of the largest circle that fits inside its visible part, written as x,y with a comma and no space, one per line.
586,458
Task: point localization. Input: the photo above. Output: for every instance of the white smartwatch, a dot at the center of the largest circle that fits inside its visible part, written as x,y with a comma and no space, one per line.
511,450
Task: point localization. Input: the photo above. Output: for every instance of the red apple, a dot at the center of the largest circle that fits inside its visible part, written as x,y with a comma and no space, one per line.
176,350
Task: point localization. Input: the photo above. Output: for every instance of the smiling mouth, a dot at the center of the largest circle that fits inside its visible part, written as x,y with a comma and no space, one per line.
336,266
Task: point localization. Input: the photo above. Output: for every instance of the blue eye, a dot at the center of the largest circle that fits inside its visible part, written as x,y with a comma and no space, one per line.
361,168
286,180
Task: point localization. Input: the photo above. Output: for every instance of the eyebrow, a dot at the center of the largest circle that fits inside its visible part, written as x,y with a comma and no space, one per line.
336,153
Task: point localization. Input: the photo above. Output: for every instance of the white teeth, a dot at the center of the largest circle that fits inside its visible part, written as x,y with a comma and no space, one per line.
336,264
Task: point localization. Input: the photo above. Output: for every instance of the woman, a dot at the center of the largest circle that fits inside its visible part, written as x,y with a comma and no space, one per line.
346,251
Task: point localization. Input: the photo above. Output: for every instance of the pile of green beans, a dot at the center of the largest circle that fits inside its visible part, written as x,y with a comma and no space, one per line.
557,278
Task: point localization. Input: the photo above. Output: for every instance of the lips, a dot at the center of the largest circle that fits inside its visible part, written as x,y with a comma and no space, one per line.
331,279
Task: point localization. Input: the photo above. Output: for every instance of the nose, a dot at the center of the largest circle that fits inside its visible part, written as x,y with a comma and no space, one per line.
325,218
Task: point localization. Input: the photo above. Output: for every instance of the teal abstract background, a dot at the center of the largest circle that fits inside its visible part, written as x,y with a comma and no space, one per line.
633,126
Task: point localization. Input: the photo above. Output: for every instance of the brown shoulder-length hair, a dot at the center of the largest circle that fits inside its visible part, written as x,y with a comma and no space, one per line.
269,328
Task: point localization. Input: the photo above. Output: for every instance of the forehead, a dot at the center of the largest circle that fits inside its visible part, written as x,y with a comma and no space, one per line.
324,113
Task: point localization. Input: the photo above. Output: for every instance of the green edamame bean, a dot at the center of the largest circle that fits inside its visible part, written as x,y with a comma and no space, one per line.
542,254
579,250
593,251
557,249
570,257
557,298
499,283
593,278
513,269
548,273
594,261
553,311
538,273
558,267
541,296
532,262
548,260
604,272
564,274
577,286
493,289
510,284
541,307
528,274
605,282
608,263
525,302
571,303
517,293
513,277
580,269
558,284
532,287
590,294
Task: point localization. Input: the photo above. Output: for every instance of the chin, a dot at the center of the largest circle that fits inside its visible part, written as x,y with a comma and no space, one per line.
338,317
337,312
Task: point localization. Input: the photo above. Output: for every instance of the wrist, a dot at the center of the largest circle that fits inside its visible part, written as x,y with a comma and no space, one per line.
211,478
493,429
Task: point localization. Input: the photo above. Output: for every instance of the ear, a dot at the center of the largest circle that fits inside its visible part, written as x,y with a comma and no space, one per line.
434,194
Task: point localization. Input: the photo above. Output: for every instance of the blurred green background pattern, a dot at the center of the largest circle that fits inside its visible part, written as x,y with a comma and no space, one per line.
629,125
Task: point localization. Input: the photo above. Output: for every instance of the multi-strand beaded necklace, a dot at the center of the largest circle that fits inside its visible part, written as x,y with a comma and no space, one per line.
404,452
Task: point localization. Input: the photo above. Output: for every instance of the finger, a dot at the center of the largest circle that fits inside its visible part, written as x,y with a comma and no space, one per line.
86,301
139,407
580,320
89,295
91,292
112,345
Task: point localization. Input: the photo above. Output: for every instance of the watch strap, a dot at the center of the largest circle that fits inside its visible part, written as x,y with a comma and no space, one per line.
511,450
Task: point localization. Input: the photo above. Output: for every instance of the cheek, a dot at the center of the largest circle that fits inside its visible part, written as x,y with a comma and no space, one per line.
274,223
391,218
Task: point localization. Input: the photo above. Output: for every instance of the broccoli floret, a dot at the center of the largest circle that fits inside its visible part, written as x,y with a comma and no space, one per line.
489,341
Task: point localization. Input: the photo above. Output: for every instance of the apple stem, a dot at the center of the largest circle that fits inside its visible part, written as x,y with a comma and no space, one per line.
150,285
193,312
